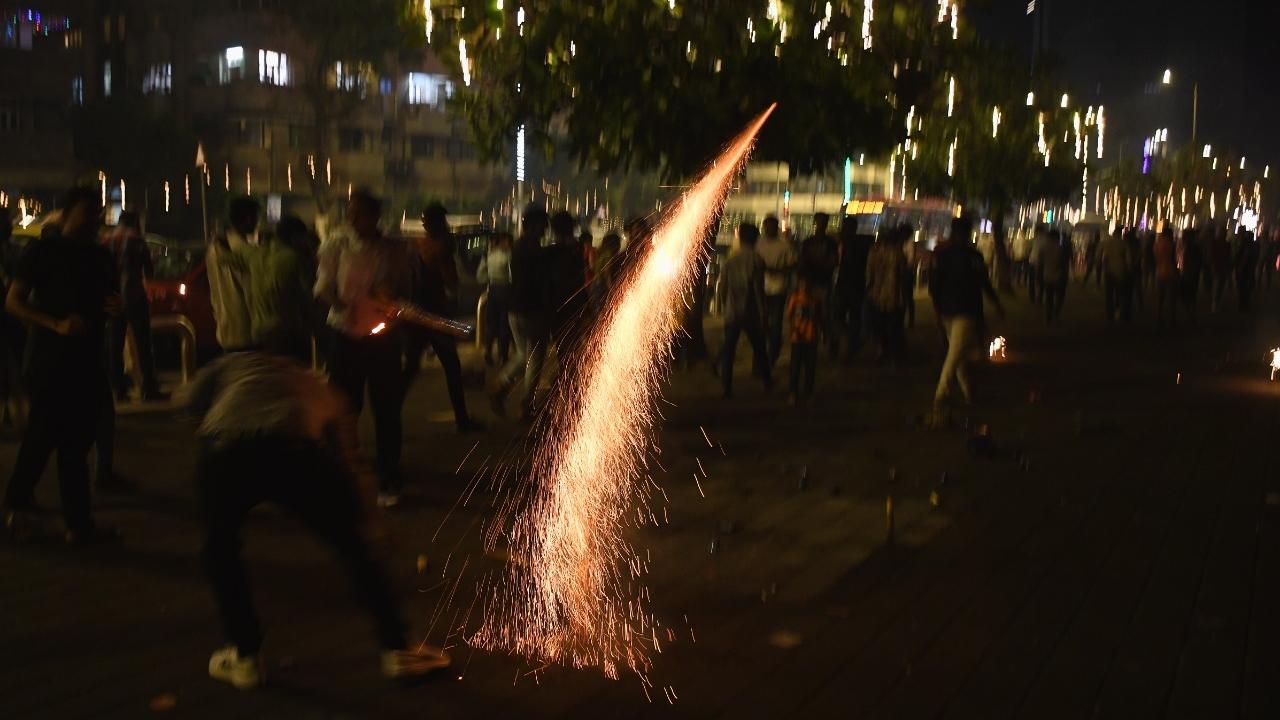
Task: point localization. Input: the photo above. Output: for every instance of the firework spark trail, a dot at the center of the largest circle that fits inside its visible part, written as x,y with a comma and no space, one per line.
572,593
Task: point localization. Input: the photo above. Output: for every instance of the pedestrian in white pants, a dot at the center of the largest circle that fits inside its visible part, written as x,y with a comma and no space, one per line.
961,336
957,283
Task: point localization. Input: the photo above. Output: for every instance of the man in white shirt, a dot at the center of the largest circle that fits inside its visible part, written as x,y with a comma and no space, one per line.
361,274
779,263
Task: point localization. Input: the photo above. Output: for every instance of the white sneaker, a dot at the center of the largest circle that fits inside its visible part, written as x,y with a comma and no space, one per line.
227,665
388,500
414,662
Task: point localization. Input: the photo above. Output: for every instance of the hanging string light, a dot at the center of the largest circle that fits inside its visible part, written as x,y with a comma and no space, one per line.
166,196
995,122
951,95
1102,129
430,18
186,189
464,61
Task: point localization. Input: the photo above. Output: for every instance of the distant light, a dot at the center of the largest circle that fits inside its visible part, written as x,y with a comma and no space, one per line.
1031,99
1065,99
1168,77
520,154
1208,151
1241,163
182,288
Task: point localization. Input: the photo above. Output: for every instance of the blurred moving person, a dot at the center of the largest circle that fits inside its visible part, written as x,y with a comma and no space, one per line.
806,316
850,291
495,273
957,284
530,324
779,264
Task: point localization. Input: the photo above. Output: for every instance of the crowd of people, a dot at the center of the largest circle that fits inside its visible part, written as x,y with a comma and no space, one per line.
1164,270
273,429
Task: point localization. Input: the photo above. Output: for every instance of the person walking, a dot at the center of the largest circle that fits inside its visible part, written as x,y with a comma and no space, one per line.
740,297
819,258
887,274
1192,269
271,432
1117,274
806,316
1164,256
494,273
957,285
850,291
530,324
1054,261
1246,264
13,333
64,288
435,289
779,262
361,275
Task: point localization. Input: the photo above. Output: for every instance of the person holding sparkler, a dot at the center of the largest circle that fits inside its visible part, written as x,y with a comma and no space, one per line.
361,274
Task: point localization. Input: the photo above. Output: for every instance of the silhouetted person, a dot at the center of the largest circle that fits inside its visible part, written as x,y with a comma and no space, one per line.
13,334
1117,278
741,302
1192,269
850,290
65,286
495,273
1246,264
134,264
887,276
1164,254
529,317
435,289
806,318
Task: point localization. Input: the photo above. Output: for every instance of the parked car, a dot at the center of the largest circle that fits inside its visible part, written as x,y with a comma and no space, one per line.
180,286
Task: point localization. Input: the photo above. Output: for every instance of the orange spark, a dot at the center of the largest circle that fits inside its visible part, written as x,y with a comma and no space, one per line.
572,592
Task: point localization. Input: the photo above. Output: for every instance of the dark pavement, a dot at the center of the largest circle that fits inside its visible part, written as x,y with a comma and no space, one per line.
1126,567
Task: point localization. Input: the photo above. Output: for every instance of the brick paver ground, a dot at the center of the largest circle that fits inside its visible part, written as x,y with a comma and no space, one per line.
1127,567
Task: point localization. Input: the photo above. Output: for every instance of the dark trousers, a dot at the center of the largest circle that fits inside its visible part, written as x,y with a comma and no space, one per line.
446,349
889,330
65,413
804,361
733,329
105,442
1055,294
497,329
375,362
774,309
1119,299
846,321
1166,301
136,315
314,486
1244,288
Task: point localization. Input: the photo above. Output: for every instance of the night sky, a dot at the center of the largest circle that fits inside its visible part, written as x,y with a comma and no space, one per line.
1109,50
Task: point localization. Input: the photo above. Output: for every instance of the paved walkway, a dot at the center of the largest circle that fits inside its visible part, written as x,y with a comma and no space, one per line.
1126,566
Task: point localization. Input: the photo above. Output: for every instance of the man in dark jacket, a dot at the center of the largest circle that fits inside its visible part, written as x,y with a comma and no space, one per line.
134,263
957,284
851,290
530,324
63,289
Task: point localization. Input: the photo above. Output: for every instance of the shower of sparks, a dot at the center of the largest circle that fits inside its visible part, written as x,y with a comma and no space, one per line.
572,591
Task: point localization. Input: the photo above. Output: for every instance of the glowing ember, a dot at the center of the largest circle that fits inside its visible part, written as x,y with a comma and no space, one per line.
571,593
1275,362
997,348
378,328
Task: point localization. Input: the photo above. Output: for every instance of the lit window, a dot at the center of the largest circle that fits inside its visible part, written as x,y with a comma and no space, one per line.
352,77
231,65
273,67
159,79
77,90
426,89
106,78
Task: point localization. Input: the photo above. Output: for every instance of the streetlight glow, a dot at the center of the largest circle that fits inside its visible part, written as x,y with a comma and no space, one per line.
1168,77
